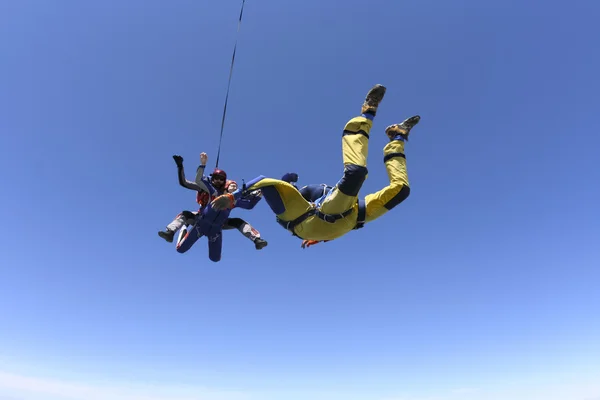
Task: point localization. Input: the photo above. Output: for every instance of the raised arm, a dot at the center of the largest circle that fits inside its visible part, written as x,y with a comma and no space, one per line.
200,171
199,187
249,201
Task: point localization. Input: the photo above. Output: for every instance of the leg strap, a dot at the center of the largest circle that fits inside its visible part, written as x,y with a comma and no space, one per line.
362,214
331,218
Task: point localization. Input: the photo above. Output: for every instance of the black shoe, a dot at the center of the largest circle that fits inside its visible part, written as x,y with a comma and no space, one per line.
167,235
260,243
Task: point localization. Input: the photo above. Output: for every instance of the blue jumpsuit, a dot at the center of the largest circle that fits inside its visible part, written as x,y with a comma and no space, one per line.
209,221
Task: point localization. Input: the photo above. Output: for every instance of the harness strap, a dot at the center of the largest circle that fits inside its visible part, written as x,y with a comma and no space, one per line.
290,225
331,218
362,214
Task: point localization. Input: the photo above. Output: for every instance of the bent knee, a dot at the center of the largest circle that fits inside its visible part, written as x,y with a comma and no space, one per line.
402,195
235,222
354,176
183,246
187,214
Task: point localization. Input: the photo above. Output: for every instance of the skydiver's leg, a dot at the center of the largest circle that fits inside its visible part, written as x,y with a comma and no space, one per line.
355,148
215,244
191,237
398,190
183,218
247,230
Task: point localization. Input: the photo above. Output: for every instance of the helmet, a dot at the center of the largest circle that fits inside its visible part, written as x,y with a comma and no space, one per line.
231,186
221,174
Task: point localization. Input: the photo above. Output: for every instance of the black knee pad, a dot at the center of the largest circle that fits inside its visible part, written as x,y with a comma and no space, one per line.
235,222
187,215
399,198
354,176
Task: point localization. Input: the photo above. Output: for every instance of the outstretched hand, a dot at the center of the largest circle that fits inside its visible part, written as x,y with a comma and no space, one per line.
203,158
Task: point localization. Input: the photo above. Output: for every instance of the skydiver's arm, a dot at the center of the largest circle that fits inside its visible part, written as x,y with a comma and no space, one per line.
240,199
248,202
200,170
200,173
240,192
228,200
181,177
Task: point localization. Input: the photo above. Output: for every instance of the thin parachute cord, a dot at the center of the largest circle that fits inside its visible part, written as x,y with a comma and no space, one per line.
229,84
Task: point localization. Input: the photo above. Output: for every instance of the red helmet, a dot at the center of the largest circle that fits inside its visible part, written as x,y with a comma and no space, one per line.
219,172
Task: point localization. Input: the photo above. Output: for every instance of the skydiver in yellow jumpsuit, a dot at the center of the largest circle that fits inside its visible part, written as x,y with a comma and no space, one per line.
337,210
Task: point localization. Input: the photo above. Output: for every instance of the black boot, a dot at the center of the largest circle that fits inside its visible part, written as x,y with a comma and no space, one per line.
260,243
167,234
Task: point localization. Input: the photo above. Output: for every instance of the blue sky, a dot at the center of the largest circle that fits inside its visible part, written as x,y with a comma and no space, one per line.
482,285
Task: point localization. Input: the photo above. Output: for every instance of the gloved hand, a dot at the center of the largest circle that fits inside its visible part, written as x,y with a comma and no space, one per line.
308,243
223,202
290,177
178,160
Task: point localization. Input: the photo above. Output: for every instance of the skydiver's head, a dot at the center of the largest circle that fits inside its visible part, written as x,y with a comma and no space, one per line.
218,178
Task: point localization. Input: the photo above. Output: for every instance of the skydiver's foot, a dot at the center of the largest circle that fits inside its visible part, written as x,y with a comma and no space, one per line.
167,235
372,100
402,130
260,243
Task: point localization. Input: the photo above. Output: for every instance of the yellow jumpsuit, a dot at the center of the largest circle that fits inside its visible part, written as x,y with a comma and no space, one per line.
288,204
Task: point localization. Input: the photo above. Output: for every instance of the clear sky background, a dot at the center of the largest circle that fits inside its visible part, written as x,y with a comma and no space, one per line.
482,285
